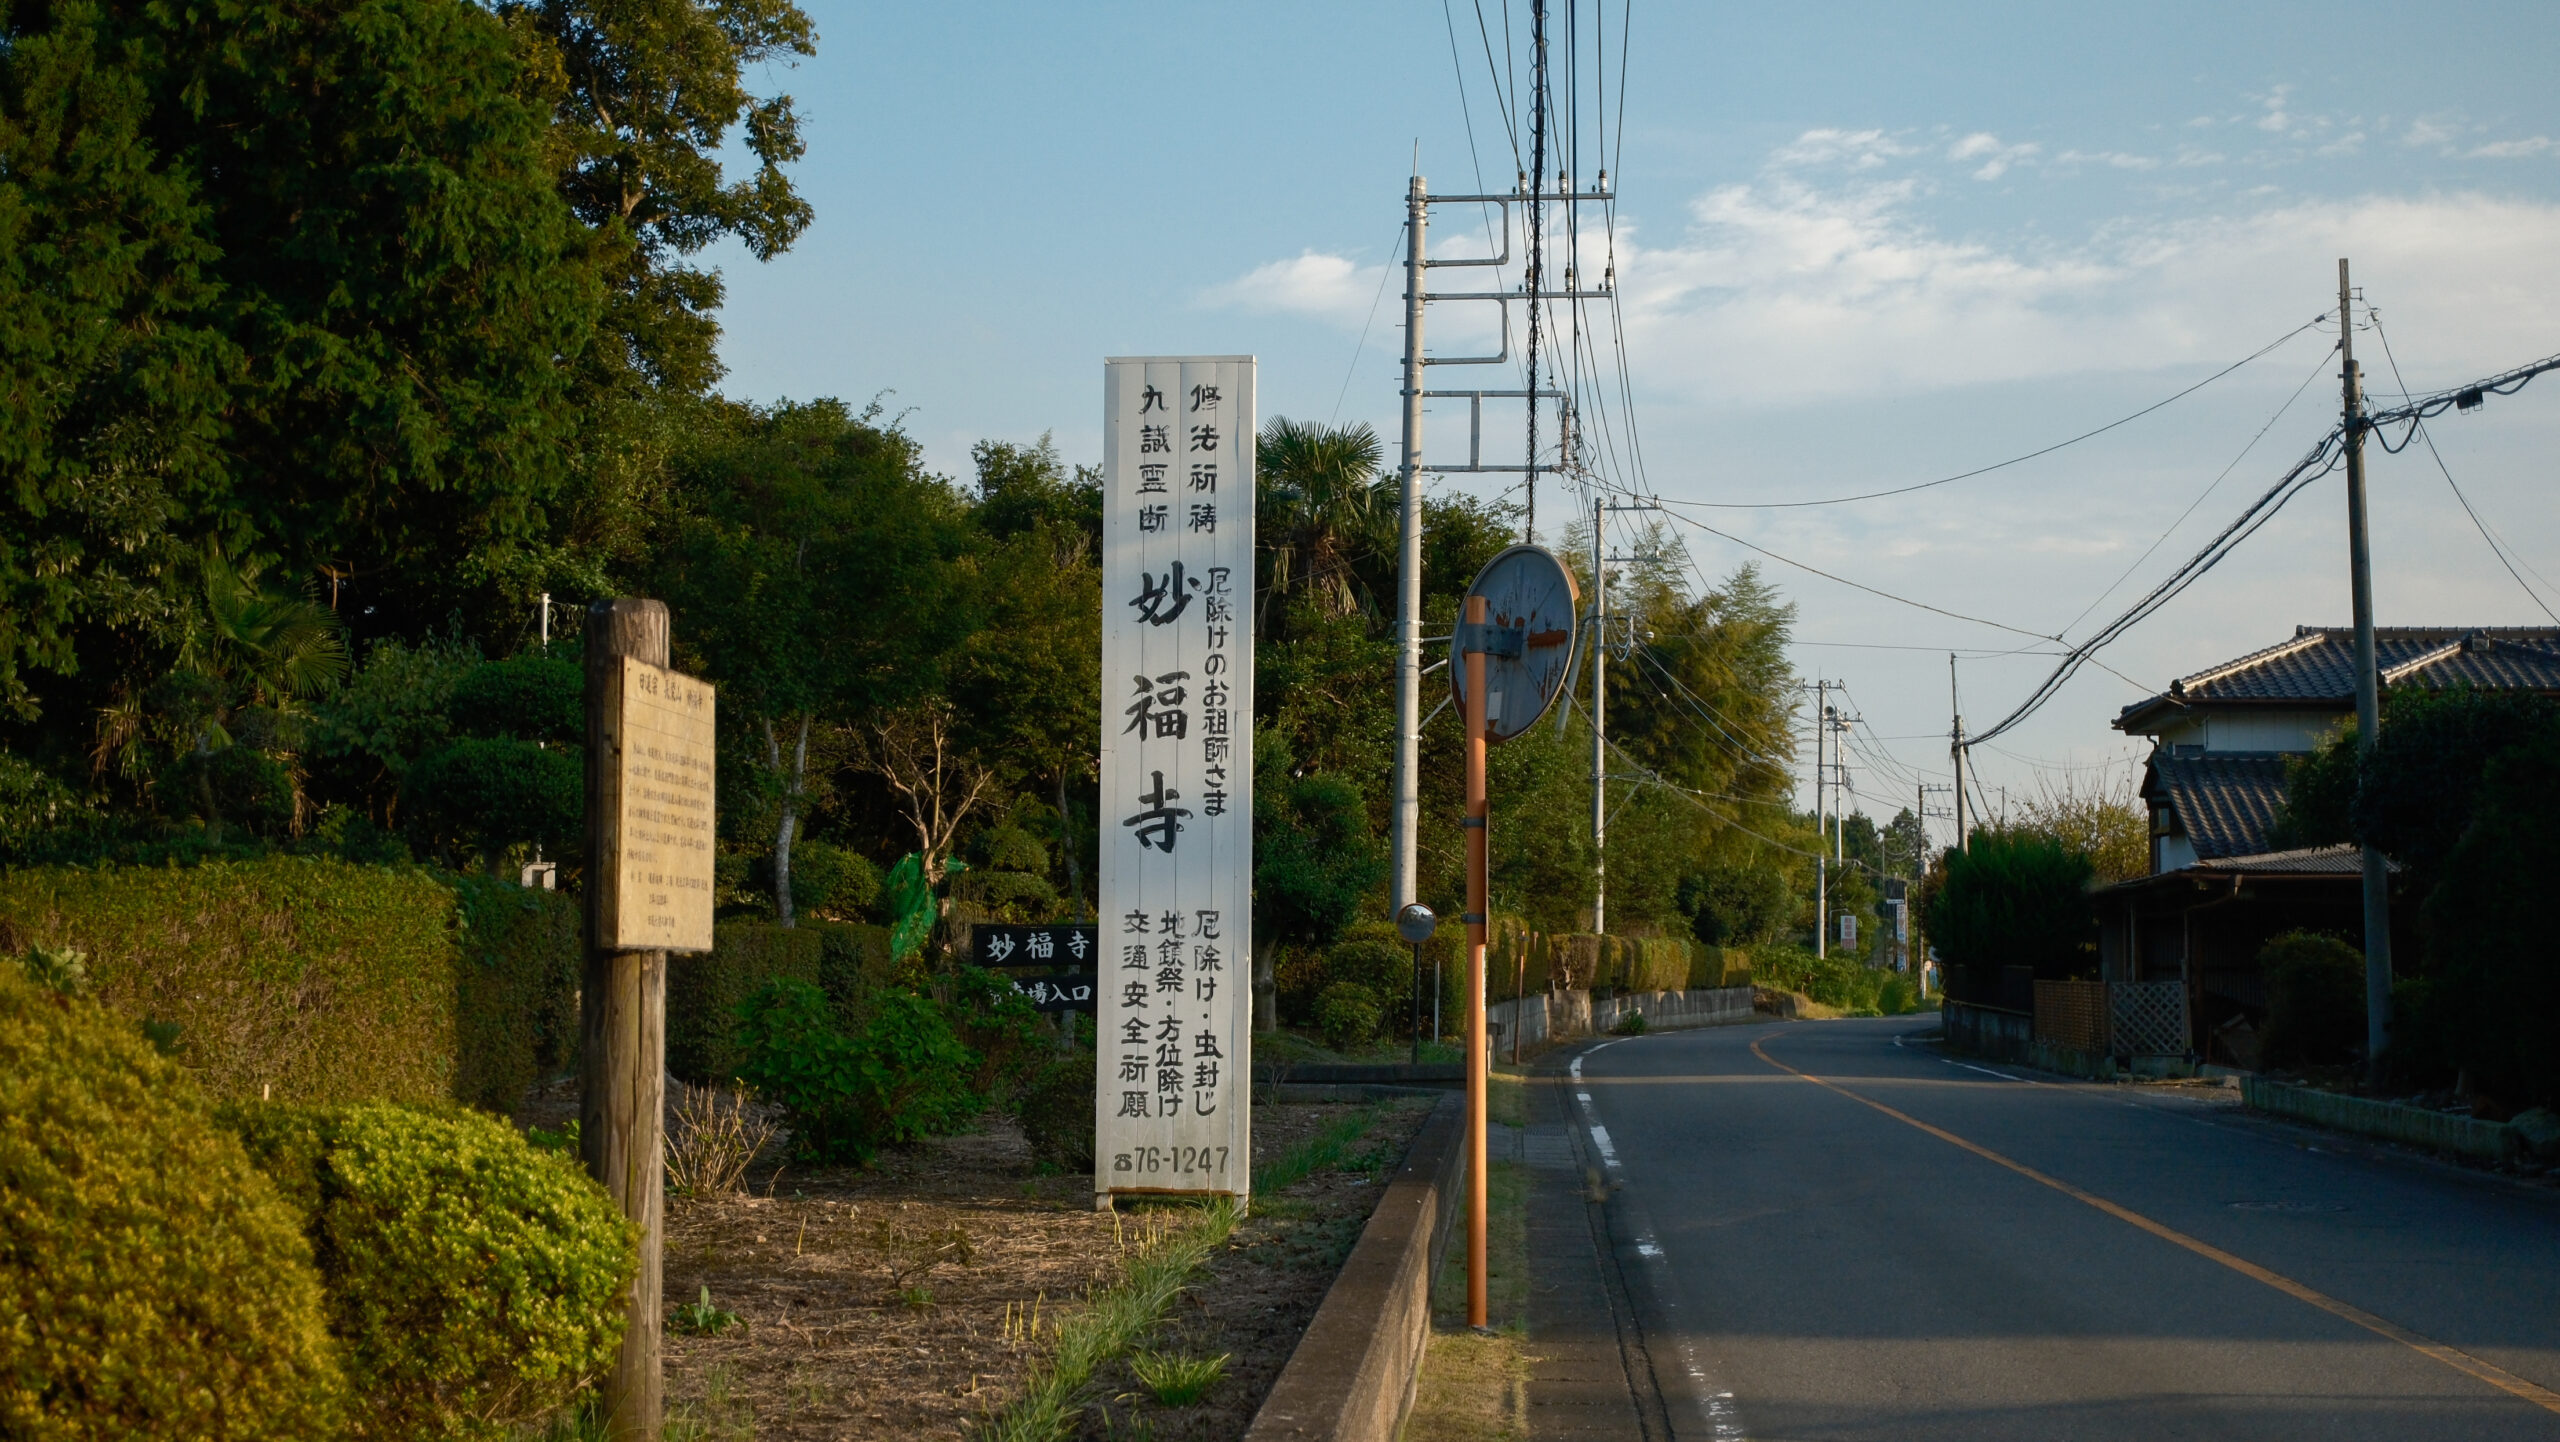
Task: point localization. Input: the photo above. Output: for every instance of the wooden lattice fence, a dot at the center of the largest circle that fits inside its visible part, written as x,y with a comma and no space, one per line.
2150,1018
2073,1014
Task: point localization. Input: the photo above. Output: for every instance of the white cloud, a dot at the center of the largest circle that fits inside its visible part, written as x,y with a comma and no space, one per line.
2276,120
2517,149
1780,292
2427,130
2120,160
1315,284
1856,149
1996,158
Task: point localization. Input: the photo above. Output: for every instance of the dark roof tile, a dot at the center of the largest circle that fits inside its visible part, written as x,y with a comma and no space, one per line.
2317,667
2225,800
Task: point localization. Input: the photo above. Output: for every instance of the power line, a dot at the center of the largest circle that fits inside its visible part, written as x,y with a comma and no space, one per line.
1853,585
2420,427
2317,367
2017,460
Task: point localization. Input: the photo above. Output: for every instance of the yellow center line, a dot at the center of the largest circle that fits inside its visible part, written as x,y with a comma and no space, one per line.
2458,1360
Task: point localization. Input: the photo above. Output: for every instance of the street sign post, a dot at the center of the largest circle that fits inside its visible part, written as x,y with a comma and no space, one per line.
1512,654
1174,1020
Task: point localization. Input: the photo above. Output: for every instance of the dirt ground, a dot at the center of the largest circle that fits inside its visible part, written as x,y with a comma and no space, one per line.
901,1301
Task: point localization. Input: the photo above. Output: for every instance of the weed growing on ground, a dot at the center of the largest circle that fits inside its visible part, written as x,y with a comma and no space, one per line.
1177,1379
1111,1325
713,1134
702,1319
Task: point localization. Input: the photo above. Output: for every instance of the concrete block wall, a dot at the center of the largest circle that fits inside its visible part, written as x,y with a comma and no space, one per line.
1561,1016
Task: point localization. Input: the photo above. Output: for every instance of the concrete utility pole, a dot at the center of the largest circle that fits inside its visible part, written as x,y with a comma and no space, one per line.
1955,748
2377,871
1599,723
1821,855
1408,802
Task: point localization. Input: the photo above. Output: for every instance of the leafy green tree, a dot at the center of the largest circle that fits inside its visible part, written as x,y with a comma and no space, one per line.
1027,682
1321,505
112,376
816,572
2417,793
2492,1004
645,96
1906,846
398,272
1737,904
2014,899
1315,859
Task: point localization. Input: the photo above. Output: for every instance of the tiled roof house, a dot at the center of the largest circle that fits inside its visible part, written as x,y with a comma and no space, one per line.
2220,737
2215,785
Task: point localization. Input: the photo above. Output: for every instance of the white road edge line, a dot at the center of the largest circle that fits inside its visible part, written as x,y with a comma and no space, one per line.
1600,1139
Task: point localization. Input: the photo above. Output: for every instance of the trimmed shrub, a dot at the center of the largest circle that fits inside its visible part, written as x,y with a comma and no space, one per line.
531,697
474,1283
1384,969
152,1284
1057,1112
522,953
2015,899
853,962
478,796
904,1076
1718,966
321,981
2315,1000
1347,1015
705,990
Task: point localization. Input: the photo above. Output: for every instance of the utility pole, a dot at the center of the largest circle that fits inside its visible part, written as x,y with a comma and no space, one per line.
2377,871
1821,854
1599,722
1408,803
1964,841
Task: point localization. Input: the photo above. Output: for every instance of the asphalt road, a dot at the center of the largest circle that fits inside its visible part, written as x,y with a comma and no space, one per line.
1806,1265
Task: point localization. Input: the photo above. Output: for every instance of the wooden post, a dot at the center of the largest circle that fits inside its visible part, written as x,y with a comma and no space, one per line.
622,1057
1477,904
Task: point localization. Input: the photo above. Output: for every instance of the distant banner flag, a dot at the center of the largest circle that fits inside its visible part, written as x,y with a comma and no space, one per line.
1175,1017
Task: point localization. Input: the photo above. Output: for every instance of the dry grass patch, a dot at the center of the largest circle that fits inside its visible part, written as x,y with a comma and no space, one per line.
1474,1385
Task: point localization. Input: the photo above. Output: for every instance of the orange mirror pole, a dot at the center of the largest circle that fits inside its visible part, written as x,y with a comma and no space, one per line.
1477,905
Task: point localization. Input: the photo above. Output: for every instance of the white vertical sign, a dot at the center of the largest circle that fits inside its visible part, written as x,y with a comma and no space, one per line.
1174,1010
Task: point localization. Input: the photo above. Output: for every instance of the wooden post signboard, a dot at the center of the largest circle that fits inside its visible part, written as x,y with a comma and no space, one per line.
658,889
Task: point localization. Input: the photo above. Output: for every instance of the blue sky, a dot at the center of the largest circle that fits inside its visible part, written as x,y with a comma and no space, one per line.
1858,246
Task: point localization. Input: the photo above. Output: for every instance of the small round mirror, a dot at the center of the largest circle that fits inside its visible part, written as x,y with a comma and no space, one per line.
1416,923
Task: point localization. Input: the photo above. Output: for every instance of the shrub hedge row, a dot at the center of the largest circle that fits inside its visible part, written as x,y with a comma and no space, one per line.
319,981
268,1271
301,979
151,1283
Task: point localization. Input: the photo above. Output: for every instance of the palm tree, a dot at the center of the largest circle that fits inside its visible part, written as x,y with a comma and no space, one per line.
1321,494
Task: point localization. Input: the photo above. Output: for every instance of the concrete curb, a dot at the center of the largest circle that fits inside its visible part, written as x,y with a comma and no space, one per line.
2391,1121
1353,1373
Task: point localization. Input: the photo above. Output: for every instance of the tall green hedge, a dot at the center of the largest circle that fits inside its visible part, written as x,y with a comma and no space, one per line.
704,991
319,981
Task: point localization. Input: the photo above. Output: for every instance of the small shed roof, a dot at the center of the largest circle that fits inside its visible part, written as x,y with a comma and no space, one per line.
2226,801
